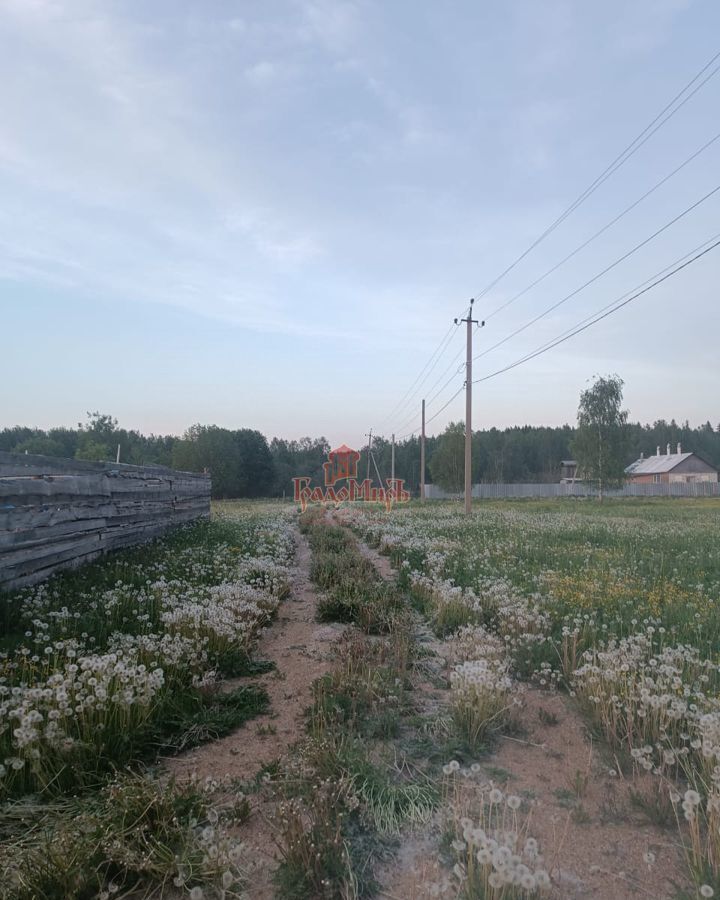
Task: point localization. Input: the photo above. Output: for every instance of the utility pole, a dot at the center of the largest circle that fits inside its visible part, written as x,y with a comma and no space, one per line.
392,459
468,408
369,437
422,455
377,471
117,458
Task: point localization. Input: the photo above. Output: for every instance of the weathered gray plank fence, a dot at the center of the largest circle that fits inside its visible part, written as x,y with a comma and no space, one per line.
491,491
57,513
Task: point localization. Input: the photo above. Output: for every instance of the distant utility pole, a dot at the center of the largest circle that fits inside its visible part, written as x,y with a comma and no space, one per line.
468,408
422,455
377,471
392,459
117,458
369,437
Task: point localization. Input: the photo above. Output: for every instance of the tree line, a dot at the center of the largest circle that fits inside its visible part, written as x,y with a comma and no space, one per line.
243,463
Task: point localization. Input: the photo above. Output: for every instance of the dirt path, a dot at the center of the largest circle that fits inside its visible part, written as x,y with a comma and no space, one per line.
381,563
595,841
301,650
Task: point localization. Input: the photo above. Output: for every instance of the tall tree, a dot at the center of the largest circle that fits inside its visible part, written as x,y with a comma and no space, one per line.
601,436
257,473
239,462
447,465
96,437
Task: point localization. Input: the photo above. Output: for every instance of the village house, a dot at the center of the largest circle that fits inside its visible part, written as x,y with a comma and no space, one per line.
568,471
669,468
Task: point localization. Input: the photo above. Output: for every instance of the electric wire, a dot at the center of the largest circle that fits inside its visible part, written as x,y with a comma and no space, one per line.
436,414
614,306
400,403
619,161
415,393
437,355
605,227
637,287
598,275
452,365
618,304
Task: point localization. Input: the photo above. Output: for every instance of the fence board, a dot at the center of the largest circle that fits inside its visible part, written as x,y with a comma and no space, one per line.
501,491
56,513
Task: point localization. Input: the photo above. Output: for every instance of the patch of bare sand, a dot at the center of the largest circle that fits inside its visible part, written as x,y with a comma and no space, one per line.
593,841
381,563
301,650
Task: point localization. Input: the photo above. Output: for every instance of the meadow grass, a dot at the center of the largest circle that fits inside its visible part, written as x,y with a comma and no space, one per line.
112,661
106,667
137,836
615,602
343,796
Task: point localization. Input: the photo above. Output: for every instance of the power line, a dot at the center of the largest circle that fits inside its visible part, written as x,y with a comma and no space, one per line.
619,161
431,388
407,422
457,369
661,119
411,399
599,275
623,300
637,287
406,394
442,409
414,415
437,355
437,393
612,222
445,405
618,304
435,415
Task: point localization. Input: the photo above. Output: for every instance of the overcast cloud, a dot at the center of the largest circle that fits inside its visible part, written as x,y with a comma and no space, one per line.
267,214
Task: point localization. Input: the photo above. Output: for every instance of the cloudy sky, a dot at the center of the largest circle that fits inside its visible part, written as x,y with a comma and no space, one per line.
266,214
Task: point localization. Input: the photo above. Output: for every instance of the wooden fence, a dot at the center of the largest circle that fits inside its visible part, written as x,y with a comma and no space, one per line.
491,491
57,513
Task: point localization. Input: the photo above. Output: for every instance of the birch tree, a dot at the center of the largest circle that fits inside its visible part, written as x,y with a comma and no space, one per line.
600,439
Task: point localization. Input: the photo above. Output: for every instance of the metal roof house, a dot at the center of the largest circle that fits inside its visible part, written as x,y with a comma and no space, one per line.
668,468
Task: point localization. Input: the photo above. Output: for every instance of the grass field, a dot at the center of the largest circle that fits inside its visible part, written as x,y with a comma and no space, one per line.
610,607
106,668
614,603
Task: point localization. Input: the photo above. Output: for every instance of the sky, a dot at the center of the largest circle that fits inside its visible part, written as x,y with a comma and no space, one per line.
268,214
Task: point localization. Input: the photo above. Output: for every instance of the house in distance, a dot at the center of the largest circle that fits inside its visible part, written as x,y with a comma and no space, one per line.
670,468
568,471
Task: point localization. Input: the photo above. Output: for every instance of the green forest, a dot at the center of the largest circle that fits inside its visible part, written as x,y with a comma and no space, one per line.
243,463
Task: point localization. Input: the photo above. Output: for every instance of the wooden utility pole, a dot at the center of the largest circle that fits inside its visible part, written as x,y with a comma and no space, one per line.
422,455
468,409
